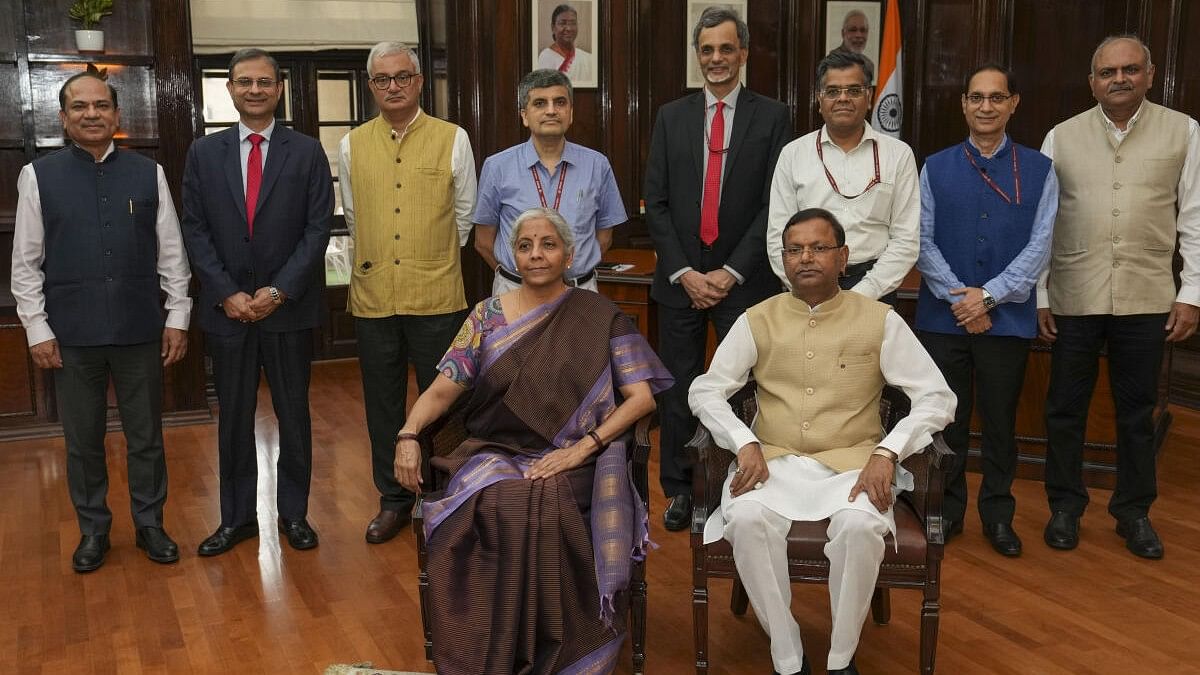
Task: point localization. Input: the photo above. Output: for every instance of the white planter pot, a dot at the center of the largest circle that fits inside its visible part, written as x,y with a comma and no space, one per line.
89,40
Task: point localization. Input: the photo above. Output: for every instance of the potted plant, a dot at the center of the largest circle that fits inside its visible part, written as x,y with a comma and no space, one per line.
88,13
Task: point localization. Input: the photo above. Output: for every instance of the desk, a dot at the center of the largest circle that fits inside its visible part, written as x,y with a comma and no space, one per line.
630,288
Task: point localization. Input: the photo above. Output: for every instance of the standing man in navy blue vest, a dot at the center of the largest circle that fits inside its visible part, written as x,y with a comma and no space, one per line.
257,204
987,214
95,240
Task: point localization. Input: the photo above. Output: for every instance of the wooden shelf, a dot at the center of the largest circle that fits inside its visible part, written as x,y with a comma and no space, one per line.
98,58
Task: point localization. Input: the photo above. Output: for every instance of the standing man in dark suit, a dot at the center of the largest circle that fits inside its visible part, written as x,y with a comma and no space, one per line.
708,180
257,202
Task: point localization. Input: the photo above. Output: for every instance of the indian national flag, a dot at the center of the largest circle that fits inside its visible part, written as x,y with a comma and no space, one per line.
889,93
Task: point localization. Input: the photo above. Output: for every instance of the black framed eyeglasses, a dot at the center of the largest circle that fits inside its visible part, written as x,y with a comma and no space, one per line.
382,82
995,99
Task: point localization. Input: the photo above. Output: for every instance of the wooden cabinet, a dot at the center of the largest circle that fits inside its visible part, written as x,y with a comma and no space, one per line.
148,59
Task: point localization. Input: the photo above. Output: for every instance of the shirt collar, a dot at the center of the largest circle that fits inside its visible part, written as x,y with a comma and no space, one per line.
869,134
999,148
244,131
528,156
1129,125
730,99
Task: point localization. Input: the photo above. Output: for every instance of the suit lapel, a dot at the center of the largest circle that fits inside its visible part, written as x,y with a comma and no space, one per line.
741,122
694,133
233,169
277,155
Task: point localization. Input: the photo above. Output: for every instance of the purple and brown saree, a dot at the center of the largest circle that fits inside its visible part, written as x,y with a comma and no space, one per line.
532,576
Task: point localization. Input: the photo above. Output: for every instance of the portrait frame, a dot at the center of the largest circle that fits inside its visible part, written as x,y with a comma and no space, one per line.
694,79
835,15
587,40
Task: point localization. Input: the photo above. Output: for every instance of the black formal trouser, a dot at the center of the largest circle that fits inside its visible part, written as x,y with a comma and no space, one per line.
286,358
851,280
990,368
82,389
1135,350
682,333
385,347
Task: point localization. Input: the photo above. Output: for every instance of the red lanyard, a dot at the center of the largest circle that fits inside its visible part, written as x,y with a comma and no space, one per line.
562,178
833,183
991,183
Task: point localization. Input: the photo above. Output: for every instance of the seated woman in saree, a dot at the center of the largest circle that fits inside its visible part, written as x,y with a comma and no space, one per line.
531,545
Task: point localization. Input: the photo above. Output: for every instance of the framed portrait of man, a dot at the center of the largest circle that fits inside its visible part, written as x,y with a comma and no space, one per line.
566,38
695,79
854,27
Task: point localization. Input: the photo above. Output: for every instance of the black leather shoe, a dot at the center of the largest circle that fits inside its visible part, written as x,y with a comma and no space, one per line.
1140,538
953,528
679,513
1062,532
89,554
300,534
226,538
387,524
804,669
850,669
1003,538
157,545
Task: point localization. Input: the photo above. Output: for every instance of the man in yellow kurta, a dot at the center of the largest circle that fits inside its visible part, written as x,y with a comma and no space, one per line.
408,186
820,357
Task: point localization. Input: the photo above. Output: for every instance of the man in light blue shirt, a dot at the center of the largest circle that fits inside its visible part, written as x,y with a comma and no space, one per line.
987,214
547,171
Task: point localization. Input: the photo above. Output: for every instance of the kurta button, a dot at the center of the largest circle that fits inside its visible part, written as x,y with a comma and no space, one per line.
1117,239
1116,212
1117,159
397,237
397,209
809,355
397,160
812,322
366,265
1116,186
809,391
804,426
397,261
397,185
1116,263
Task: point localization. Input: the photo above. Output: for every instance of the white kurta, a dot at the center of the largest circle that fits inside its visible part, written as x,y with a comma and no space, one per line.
801,488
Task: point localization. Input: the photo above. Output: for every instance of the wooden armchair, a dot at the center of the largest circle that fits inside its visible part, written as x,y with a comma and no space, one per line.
919,526
444,435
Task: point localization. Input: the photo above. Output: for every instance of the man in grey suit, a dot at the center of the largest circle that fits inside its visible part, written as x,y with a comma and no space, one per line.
257,203
708,179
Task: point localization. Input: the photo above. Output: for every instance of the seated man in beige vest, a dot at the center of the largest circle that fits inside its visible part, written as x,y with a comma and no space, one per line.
820,357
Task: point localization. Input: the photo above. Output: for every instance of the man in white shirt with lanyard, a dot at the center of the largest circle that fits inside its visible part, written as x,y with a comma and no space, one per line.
866,179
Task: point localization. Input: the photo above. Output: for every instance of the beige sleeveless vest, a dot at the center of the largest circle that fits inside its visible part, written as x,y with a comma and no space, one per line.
819,381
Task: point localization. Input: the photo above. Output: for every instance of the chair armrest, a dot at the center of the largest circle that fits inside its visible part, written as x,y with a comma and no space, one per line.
928,468
441,437
639,456
710,464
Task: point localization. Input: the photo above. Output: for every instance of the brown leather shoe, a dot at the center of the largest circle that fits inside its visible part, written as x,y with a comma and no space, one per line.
387,524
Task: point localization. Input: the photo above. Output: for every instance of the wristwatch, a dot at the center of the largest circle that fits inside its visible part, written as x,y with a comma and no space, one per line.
989,303
279,301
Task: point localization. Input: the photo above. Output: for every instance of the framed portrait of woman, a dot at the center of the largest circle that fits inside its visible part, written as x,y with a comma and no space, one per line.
565,38
695,79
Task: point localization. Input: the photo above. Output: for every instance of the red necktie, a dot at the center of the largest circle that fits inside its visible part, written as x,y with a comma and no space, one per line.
253,178
712,178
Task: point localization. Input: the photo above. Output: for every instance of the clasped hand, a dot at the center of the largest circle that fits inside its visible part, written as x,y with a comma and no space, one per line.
707,289
242,307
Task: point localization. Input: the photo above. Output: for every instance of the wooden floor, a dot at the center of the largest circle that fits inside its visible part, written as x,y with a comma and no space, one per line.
267,609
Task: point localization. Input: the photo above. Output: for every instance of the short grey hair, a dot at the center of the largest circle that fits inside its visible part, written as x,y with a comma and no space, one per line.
540,79
387,49
841,60
251,53
1116,38
560,224
715,16
853,13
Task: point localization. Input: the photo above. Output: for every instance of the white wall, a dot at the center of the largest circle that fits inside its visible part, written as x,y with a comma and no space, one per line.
298,25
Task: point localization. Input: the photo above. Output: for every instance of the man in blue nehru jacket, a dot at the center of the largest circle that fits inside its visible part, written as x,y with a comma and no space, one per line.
987,213
95,240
